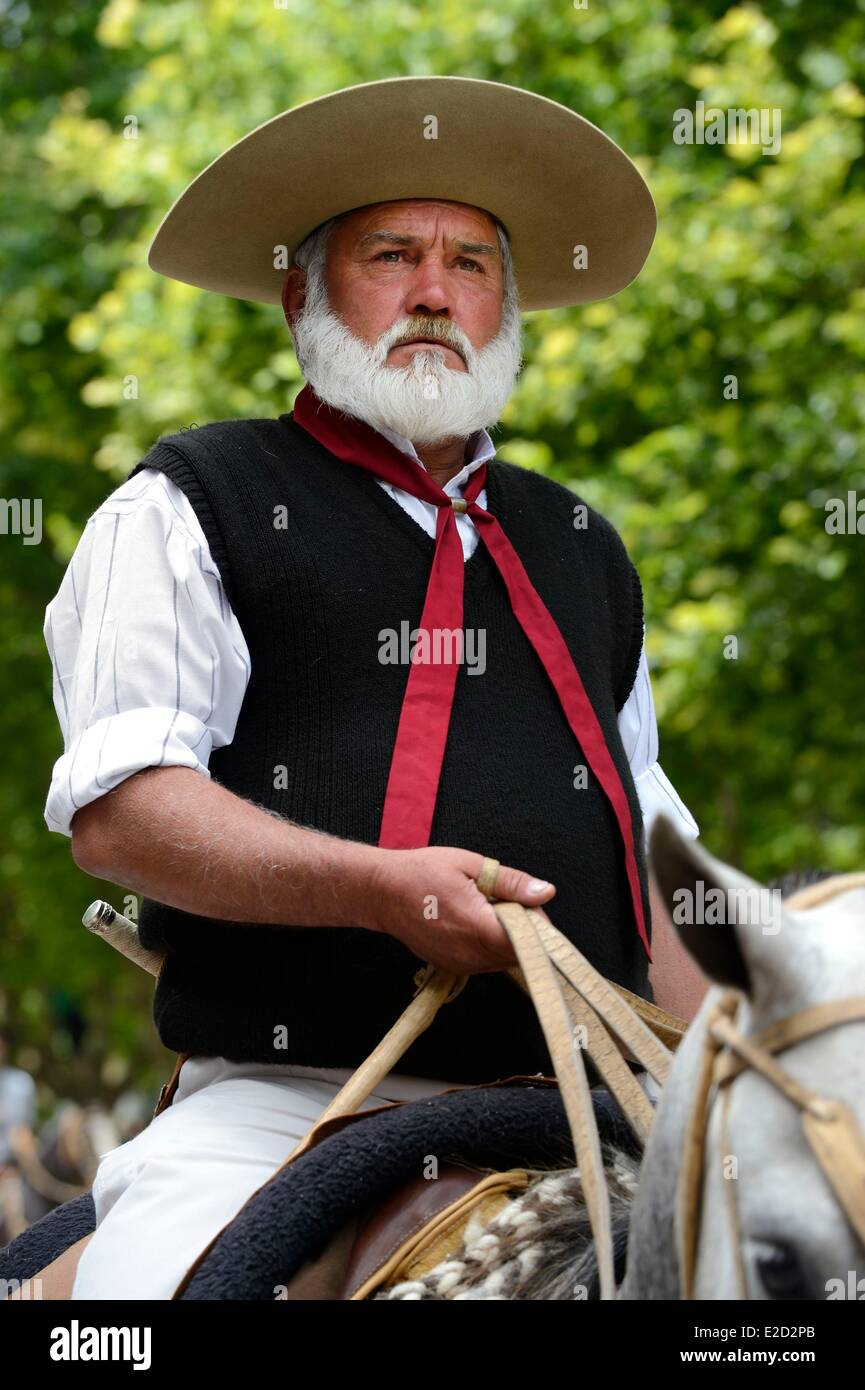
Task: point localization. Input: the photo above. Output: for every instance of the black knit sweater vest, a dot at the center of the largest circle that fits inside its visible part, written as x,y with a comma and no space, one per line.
317,560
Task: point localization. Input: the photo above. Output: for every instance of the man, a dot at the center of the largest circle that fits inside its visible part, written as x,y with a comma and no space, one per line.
17,1104
17,1118
311,670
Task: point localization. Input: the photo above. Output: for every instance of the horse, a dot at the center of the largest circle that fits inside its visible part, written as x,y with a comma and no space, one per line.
749,1180
756,1189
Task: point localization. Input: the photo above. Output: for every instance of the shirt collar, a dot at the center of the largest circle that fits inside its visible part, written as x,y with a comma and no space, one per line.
483,450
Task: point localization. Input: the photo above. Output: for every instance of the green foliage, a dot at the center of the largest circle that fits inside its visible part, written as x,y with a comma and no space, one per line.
756,273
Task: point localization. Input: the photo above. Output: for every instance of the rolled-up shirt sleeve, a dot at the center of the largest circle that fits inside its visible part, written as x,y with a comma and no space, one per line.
638,726
149,662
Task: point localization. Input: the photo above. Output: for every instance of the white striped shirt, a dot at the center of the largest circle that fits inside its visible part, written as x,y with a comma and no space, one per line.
150,664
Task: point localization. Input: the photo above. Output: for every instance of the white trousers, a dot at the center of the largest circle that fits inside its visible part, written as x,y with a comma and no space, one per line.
162,1197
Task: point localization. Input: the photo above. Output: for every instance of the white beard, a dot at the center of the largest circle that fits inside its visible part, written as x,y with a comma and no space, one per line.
426,402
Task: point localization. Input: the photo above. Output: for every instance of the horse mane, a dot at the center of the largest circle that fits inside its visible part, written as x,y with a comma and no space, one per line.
795,879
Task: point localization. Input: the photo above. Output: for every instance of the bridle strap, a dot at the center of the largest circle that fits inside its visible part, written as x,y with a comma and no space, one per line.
829,1125
689,1195
801,1096
788,1031
839,1147
729,1190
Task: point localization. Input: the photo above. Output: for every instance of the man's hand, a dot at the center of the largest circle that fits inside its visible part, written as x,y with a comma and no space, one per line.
429,900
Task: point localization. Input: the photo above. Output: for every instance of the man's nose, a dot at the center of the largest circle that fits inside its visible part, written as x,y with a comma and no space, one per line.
427,293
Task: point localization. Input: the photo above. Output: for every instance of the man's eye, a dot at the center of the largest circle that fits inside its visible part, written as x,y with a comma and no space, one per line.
464,260
388,253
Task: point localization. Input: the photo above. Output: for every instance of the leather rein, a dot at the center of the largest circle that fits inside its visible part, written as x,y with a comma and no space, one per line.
828,1124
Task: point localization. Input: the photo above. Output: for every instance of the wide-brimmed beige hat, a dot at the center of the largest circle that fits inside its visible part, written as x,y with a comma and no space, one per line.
554,180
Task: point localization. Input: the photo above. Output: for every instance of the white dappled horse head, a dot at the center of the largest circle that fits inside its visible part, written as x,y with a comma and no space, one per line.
770,1224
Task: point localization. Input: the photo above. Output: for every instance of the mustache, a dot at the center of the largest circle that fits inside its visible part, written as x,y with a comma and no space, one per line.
434,330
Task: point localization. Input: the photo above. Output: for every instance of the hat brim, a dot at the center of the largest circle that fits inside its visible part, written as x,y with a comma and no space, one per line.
552,178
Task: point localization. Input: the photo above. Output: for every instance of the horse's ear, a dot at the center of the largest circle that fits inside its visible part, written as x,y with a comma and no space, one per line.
694,886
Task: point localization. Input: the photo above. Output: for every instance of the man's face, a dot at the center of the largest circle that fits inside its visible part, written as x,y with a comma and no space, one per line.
424,258
404,321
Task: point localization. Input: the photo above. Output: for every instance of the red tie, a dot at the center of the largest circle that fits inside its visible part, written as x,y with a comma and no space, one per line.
415,768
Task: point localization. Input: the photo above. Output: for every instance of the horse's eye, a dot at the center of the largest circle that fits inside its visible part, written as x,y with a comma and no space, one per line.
779,1272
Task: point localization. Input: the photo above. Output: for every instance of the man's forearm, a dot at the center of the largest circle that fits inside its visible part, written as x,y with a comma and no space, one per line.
176,836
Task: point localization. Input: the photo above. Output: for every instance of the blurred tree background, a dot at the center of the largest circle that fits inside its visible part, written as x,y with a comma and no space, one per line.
108,110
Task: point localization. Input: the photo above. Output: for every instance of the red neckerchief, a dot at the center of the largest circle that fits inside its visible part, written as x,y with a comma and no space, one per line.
415,768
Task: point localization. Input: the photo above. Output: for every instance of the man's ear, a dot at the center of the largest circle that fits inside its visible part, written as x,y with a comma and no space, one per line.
293,292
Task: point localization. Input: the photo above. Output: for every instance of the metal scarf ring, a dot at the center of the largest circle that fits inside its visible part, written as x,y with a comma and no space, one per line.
828,1124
